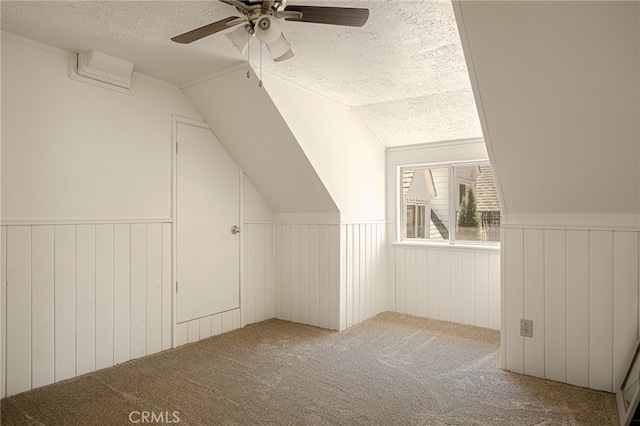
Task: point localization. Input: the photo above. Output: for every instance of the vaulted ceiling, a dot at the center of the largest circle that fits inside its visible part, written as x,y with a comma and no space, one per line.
403,73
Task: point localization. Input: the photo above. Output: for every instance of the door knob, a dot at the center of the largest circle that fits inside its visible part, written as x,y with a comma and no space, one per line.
235,229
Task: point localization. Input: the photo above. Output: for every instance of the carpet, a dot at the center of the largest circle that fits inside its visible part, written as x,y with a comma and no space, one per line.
392,369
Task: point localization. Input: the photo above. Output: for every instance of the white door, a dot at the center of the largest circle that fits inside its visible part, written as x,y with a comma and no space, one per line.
208,206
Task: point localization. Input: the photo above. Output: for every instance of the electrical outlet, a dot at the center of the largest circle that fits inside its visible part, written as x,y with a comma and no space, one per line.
526,328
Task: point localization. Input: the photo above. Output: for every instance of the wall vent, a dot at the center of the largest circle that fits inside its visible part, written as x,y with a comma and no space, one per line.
103,70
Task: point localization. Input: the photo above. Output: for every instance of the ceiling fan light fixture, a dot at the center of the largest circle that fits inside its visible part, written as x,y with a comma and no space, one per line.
268,30
240,37
284,57
280,49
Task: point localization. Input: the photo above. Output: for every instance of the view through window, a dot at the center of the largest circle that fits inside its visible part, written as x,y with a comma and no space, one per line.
456,202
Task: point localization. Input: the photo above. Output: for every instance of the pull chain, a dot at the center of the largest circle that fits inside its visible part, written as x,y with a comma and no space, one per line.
248,54
260,83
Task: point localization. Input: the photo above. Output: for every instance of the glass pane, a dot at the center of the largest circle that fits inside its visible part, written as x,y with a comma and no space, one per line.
421,221
462,192
478,215
411,220
425,201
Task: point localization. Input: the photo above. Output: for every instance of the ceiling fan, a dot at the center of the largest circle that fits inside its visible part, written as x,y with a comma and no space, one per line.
261,18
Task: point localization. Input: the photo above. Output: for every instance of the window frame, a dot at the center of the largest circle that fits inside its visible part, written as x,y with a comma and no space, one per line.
451,242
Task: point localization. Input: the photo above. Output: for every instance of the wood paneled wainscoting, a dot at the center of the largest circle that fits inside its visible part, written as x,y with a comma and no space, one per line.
452,284
80,297
580,287
327,275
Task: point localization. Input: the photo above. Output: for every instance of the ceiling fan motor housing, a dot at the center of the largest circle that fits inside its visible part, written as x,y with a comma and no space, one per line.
264,23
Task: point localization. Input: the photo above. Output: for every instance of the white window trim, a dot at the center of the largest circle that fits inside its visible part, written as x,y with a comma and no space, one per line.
445,245
451,243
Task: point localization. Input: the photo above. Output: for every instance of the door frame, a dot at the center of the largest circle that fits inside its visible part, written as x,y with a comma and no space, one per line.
175,121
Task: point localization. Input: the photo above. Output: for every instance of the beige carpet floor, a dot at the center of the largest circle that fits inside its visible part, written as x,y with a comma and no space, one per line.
390,370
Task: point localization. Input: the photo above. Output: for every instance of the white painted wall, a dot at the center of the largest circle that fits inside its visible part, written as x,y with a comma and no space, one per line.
307,273
580,287
557,87
343,151
75,152
363,272
86,172
301,164
447,283
322,274
81,297
350,258
258,291
318,273
254,207
329,275
258,287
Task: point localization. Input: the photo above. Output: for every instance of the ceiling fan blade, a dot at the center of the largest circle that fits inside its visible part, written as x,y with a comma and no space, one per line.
238,4
284,14
207,30
348,16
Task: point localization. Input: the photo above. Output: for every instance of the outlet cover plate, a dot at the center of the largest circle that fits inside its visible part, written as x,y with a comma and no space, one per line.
526,328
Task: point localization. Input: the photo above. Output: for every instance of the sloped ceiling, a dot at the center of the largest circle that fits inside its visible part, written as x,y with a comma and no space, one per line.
559,85
266,149
403,73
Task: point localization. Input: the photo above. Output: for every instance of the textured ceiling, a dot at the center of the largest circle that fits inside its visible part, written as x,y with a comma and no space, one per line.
403,73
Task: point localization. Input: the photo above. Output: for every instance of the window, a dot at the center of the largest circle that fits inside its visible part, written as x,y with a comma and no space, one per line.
416,220
423,197
451,203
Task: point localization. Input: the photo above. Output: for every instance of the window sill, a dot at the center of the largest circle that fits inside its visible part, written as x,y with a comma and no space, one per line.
448,246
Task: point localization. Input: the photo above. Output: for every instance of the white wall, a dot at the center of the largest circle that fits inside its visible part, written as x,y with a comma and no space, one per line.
329,275
557,84
307,273
580,288
258,290
322,274
76,152
86,198
343,151
314,172
447,283
363,272
254,207
82,297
